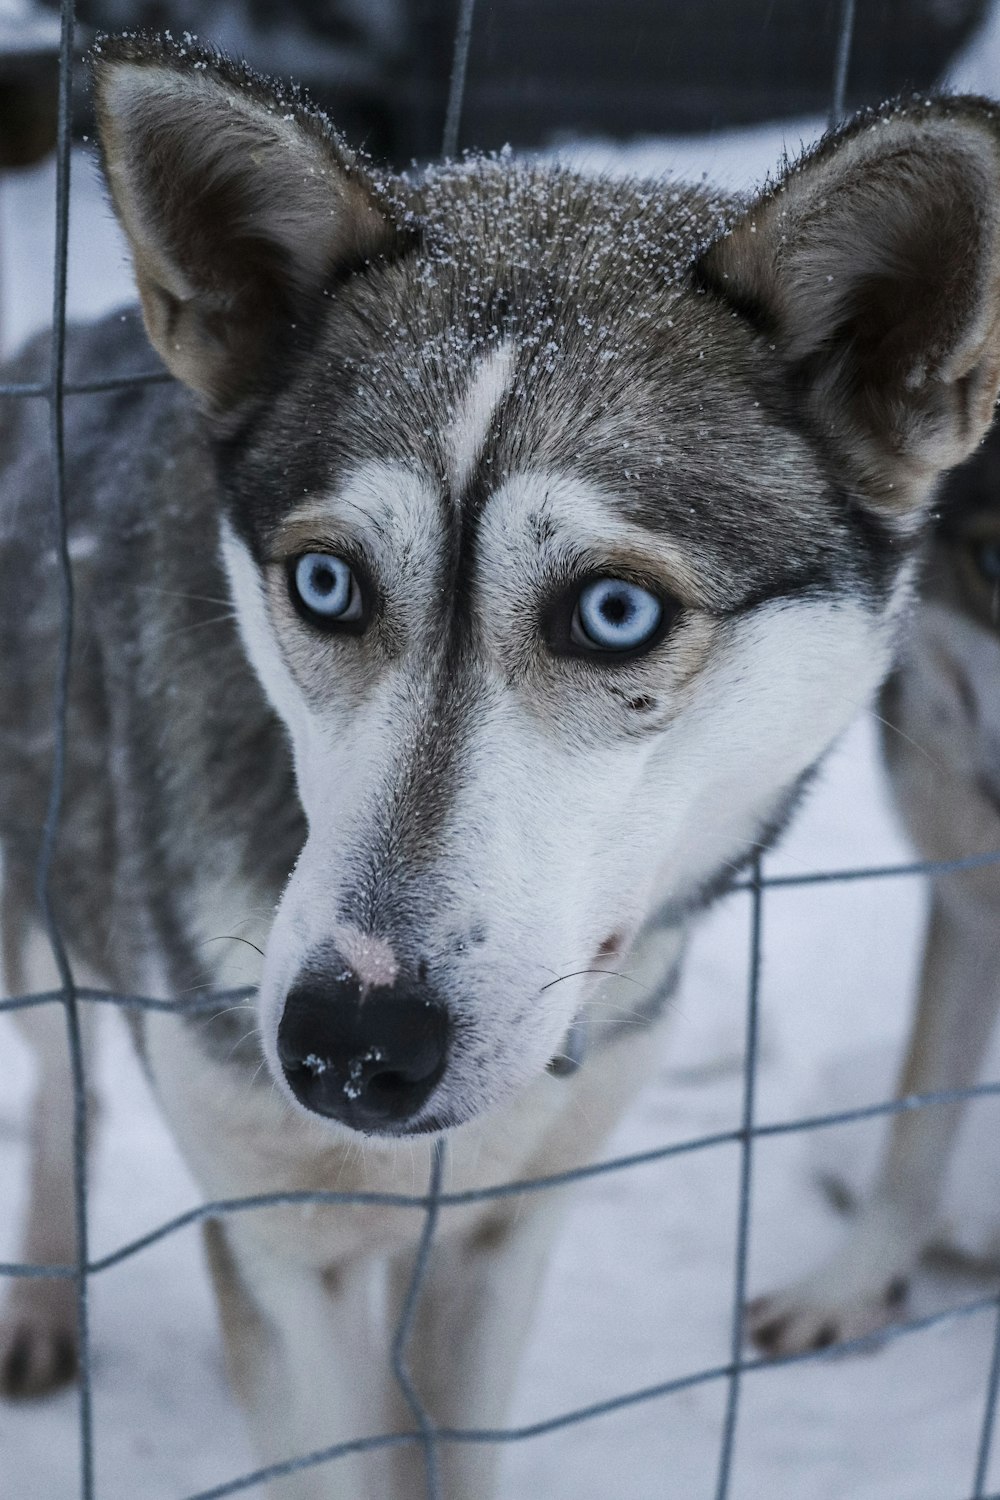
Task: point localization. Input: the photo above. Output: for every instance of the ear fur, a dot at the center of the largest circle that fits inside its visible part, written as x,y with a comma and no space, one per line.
873,268
239,205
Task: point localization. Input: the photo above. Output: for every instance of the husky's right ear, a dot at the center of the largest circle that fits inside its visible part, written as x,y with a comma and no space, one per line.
240,208
872,268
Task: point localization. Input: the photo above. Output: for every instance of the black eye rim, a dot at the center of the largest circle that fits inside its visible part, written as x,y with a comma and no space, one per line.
562,609
360,580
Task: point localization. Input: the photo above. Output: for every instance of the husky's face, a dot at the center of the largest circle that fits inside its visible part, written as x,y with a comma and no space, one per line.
499,779
562,545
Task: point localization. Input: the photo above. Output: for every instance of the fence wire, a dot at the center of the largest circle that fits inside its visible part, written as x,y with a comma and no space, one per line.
425,1433
50,831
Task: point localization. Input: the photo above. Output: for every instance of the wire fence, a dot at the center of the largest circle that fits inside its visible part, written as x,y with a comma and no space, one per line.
436,1201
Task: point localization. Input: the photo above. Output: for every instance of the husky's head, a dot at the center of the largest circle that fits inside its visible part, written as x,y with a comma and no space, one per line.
567,521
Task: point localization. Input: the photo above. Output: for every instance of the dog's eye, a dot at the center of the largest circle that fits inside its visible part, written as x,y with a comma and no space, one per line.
324,589
987,555
613,615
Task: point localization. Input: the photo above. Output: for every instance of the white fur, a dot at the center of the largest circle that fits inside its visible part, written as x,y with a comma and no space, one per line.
469,428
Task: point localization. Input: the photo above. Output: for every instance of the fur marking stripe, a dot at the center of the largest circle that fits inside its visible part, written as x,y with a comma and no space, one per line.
469,428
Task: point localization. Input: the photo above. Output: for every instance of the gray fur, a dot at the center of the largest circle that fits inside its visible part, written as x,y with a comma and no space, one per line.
141,809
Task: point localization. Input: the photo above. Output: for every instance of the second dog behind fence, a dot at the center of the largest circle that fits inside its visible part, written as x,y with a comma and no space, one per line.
562,525
941,717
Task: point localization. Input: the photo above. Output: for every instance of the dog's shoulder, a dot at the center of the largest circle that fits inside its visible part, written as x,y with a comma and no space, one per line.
120,417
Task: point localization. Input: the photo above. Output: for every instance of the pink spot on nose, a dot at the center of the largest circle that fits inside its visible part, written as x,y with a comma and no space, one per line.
369,957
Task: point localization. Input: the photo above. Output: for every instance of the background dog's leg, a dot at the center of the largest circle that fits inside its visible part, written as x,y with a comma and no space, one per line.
304,1358
473,1319
38,1329
861,1287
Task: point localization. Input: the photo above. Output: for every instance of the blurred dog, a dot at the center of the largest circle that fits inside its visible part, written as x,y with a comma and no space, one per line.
942,745
528,540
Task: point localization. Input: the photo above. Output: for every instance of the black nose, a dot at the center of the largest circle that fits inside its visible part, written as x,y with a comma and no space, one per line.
369,1059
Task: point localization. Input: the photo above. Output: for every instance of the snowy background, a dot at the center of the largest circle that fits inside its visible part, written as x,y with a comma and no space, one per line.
640,1289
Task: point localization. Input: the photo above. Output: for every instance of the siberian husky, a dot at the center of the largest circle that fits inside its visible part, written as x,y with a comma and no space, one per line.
563,524
941,711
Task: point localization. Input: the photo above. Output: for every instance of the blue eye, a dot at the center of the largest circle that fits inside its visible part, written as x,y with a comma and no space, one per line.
325,588
613,615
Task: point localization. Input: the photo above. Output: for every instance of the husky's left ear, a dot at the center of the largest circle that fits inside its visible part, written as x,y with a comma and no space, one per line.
240,207
873,270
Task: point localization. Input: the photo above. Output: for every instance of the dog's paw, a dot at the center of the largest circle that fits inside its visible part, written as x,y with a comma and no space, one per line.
810,1315
38,1344
861,1290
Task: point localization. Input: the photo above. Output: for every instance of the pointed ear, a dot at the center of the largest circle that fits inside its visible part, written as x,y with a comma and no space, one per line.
873,270
239,206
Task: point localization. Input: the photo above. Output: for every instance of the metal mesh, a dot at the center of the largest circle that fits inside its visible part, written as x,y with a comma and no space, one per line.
435,1201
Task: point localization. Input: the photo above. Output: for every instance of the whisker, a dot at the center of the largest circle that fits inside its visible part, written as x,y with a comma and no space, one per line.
575,973
920,749
622,1020
261,1066
254,1031
617,1010
231,937
198,625
148,588
230,1010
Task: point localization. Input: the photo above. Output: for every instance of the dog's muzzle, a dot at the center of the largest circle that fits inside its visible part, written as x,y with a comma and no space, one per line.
369,1058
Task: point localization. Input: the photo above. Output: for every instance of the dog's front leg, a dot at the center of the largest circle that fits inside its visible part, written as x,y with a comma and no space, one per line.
482,1284
477,1300
860,1289
38,1322
472,1321
304,1358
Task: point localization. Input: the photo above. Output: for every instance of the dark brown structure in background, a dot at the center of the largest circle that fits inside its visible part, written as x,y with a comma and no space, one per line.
29,80
545,68
538,69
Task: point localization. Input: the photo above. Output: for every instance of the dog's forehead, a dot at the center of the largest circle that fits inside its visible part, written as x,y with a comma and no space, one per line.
550,322
524,242
578,280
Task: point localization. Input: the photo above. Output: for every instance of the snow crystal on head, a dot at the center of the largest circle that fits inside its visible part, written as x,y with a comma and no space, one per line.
541,257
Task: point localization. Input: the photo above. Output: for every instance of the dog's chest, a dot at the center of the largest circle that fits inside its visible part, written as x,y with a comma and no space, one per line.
241,1139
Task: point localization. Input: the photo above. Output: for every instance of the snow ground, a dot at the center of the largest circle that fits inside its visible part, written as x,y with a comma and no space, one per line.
640,1289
